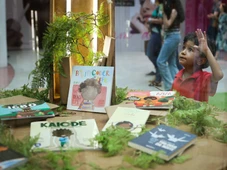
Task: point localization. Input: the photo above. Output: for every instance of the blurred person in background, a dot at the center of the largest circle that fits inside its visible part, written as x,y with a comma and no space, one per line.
167,60
221,39
212,29
155,42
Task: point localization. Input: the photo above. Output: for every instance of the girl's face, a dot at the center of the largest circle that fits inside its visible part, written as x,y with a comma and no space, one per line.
147,8
189,55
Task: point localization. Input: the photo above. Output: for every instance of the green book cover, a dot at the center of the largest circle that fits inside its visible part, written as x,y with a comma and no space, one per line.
25,110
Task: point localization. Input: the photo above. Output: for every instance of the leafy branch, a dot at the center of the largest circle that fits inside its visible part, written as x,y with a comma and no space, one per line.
199,115
121,94
25,90
68,35
144,160
114,140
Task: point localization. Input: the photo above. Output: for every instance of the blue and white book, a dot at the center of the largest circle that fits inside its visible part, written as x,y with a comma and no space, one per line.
167,141
10,158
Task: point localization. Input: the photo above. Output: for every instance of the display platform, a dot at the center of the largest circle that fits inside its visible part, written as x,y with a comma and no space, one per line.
206,154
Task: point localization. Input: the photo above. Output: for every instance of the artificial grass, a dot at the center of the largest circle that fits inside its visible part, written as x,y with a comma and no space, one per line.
219,100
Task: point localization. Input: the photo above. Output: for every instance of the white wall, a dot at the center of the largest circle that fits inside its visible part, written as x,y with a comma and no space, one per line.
3,49
133,42
16,11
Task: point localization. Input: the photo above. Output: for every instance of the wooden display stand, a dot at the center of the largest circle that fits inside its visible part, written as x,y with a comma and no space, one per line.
206,154
64,81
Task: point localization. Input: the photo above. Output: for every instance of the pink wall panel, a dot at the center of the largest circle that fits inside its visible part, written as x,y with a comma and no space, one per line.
196,14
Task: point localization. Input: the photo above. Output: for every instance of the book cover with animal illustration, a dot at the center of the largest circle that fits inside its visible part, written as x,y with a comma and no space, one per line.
90,88
167,141
9,158
64,135
27,110
132,119
151,99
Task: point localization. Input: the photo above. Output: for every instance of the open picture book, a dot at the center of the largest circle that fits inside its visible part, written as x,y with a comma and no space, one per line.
167,141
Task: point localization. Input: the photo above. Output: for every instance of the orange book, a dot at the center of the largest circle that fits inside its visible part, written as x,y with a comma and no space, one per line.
151,99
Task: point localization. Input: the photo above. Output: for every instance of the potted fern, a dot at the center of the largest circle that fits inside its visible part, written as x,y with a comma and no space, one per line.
67,37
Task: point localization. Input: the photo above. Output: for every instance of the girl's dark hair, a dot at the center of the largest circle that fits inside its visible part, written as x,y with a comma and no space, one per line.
141,2
211,44
168,5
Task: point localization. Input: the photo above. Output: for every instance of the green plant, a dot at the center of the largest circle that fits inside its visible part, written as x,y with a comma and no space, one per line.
113,140
25,90
68,35
144,160
199,115
180,159
23,146
121,94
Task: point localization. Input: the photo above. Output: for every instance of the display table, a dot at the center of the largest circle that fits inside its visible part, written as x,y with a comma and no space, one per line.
207,154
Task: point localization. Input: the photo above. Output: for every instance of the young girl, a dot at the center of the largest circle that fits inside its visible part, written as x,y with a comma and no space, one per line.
197,53
166,62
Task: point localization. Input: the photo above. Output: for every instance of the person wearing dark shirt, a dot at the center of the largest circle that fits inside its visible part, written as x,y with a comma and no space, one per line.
212,29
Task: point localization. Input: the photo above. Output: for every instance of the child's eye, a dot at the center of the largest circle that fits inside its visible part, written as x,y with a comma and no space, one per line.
190,49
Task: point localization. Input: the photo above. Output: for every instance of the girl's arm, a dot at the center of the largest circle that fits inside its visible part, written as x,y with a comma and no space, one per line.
155,20
137,23
213,15
168,22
